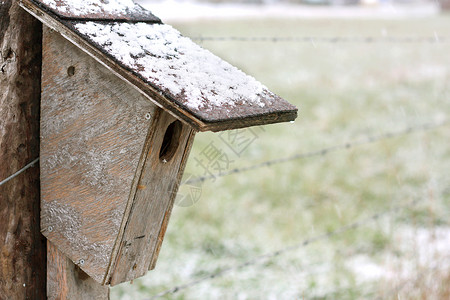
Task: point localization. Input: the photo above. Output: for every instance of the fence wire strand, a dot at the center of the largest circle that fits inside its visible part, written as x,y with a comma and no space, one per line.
19,172
324,151
264,257
436,39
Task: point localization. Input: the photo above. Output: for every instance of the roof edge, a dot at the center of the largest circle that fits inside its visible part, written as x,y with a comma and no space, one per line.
142,15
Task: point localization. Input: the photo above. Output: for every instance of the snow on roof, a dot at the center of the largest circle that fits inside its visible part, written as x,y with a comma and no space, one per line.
176,65
98,9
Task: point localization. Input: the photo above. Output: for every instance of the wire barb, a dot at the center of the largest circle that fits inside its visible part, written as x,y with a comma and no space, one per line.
19,172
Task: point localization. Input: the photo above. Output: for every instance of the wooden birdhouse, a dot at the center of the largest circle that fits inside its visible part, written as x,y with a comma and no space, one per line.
122,97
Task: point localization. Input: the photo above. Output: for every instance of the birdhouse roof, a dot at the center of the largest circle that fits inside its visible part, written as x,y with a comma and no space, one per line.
180,76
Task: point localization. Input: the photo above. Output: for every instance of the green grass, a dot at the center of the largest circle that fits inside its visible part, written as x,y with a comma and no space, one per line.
345,92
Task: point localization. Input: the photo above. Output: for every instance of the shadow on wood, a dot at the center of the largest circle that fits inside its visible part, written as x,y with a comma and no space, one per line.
66,281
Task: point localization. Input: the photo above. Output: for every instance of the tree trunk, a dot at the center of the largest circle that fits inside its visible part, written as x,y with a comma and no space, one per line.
22,247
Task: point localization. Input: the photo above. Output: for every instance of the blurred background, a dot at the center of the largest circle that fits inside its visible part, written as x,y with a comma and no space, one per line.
352,200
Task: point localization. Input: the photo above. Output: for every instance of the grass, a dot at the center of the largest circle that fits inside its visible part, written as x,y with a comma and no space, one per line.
345,92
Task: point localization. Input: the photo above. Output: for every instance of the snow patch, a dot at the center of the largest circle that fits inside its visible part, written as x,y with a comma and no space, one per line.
429,247
82,7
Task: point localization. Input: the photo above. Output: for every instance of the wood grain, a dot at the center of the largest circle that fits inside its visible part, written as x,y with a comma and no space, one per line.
153,202
66,281
22,247
93,130
165,222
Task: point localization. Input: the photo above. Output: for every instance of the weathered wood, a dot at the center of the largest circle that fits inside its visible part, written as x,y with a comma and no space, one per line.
224,117
93,130
22,247
113,10
66,281
165,222
170,144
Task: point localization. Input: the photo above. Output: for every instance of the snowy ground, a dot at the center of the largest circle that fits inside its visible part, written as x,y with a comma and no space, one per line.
172,10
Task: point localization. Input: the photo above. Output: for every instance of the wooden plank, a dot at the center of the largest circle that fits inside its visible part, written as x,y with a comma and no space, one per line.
22,247
111,10
66,281
221,118
93,130
154,198
169,210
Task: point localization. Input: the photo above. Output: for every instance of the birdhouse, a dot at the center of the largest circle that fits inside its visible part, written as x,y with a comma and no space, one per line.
123,96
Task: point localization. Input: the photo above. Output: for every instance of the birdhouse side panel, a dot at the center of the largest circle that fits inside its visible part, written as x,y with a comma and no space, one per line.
152,205
93,130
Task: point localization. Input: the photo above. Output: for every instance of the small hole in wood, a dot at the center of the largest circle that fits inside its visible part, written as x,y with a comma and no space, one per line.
71,71
170,141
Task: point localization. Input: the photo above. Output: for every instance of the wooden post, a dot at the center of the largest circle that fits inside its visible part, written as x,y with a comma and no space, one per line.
22,247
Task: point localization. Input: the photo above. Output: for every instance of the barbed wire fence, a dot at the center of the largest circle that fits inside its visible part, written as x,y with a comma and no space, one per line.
304,243
371,139
264,258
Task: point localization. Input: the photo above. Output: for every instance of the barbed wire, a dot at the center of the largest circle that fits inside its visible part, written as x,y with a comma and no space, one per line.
324,151
436,39
19,172
271,255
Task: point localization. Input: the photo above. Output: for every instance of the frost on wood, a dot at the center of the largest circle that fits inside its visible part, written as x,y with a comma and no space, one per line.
68,222
82,7
98,10
177,66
